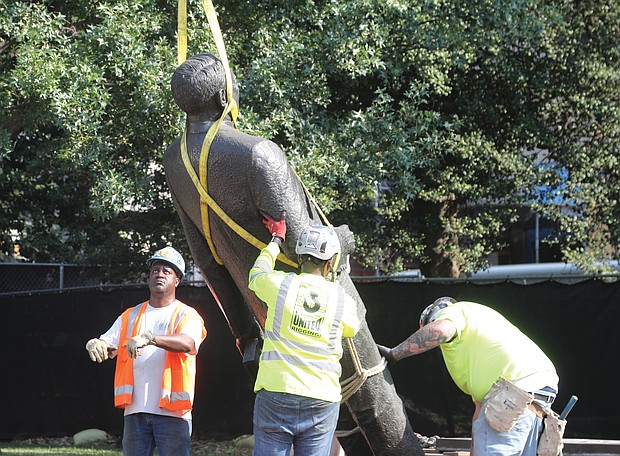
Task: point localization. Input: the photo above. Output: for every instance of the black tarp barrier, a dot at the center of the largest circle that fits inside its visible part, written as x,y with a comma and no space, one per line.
52,388
55,389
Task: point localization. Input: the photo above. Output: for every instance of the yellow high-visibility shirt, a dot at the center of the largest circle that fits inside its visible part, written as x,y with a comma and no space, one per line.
307,316
487,346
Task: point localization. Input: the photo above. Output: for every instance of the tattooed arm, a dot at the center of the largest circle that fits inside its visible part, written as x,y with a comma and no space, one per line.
424,339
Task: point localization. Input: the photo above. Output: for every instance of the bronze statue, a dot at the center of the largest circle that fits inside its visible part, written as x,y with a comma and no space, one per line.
243,175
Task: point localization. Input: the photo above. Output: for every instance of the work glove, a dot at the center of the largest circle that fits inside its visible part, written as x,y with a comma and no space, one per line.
137,342
98,350
386,353
277,228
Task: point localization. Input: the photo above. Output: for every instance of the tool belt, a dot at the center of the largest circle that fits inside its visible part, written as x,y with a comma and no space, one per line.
538,410
504,404
550,442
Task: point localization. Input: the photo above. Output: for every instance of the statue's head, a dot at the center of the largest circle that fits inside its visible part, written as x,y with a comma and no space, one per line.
199,85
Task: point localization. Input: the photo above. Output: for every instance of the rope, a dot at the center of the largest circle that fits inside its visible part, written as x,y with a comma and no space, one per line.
352,384
347,433
323,217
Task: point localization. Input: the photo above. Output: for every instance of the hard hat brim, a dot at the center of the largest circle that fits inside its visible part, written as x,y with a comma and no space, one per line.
150,262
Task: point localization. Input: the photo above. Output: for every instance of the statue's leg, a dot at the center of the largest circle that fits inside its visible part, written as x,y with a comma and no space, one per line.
375,407
243,325
350,436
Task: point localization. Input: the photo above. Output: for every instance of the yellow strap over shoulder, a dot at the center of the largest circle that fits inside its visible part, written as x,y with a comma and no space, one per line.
206,198
221,48
182,32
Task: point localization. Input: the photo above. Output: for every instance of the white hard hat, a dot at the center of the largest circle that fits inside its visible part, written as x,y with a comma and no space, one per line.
318,241
430,313
170,256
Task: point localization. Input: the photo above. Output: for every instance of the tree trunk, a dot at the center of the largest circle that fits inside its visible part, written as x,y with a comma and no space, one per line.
441,239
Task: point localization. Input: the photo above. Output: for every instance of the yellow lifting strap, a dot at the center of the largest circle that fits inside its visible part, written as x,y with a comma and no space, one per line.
221,48
206,201
218,210
181,32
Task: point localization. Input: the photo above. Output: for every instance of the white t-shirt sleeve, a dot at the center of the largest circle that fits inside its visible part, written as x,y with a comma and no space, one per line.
193,328
113,335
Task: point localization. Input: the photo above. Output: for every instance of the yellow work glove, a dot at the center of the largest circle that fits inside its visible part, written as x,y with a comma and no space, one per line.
98,350
137,342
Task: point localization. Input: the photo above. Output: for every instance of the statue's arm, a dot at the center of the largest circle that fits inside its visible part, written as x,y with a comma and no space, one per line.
276,188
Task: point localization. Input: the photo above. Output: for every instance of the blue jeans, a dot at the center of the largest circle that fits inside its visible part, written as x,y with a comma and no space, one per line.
145,431
521,440
283,420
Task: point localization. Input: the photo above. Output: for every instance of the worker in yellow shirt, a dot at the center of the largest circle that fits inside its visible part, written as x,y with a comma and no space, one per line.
492,361
297,387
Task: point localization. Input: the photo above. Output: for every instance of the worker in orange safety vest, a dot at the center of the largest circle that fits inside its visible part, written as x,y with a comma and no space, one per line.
156,343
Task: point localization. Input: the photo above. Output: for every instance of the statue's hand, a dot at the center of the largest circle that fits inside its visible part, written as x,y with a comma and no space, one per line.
347,239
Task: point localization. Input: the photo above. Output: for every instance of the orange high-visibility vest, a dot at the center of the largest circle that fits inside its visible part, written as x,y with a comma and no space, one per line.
177,392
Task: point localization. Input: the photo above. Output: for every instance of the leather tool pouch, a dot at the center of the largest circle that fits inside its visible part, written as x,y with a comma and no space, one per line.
550,442
504,405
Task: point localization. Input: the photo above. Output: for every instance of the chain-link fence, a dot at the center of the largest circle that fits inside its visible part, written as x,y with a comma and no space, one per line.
20,278
27,277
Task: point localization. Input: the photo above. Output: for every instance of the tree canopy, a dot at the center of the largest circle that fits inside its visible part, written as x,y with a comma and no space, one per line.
424,125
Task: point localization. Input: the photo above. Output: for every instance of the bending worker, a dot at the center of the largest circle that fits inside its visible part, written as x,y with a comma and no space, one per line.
298,390
156,366
492,361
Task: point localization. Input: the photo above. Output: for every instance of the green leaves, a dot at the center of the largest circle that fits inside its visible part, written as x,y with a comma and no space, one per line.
424,125
437,102
86,114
